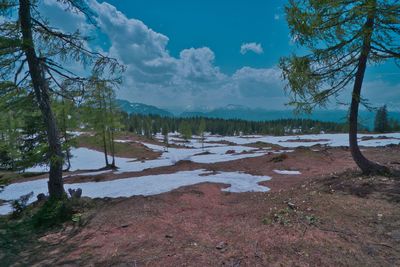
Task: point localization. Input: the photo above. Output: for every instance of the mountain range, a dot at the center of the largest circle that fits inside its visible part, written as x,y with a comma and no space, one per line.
257,114
139,108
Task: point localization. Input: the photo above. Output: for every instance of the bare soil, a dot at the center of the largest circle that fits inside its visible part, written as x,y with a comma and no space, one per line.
329,215
131,149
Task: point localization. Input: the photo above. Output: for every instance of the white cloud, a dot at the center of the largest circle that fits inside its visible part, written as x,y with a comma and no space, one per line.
155,77
140,48
253,47
198,65
277,17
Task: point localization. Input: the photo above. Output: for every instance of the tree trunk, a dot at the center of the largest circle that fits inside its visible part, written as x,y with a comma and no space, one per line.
112,145
64,131
362,162
40,87
105,147
103,127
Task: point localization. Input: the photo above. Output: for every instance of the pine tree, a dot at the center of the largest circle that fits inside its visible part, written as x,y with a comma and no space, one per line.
185,130
28,42
381,120
394,125
165,132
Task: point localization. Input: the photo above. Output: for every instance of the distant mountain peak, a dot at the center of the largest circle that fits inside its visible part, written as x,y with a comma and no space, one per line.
234,106
143,109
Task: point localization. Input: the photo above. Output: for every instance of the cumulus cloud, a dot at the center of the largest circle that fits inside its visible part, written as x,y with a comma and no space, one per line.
137,46
153,76
251,47
198,65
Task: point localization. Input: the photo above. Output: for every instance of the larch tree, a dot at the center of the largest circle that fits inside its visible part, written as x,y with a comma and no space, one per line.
96,113
341,38
33,55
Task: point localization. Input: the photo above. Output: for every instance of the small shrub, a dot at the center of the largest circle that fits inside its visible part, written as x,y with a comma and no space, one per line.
282,217
53,213
20,204
312,219
279,158
77,218
266,221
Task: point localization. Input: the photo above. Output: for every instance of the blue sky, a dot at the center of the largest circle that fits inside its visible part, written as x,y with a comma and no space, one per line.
196,55
222,25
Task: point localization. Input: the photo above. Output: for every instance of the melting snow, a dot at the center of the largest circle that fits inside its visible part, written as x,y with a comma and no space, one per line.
286,172
87,159
333,140
145,185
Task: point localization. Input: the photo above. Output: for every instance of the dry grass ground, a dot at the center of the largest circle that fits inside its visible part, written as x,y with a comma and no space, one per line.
325,217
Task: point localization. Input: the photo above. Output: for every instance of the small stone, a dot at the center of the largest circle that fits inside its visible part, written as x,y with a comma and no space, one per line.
168,236
75,193
292,205
221,245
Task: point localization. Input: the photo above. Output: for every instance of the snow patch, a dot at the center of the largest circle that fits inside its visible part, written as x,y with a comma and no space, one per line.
286,172
332,140
145,185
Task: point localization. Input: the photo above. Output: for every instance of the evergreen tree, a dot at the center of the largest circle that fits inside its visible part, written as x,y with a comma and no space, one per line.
185,130
165,132
28,42
381,120
394,125
22,135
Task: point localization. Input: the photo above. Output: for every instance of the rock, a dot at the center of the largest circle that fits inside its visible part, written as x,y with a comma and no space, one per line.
292,205
230,152
222,246
75,193
41,197
168,236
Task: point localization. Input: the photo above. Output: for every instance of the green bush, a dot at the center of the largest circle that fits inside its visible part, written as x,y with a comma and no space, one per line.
53,212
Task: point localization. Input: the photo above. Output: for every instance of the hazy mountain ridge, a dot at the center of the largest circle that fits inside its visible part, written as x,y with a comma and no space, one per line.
256,114
139,108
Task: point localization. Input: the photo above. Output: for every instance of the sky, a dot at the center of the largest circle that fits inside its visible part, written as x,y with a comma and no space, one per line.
203,54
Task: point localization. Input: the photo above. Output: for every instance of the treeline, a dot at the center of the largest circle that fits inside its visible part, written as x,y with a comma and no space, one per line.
384,124
23,141
149,125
